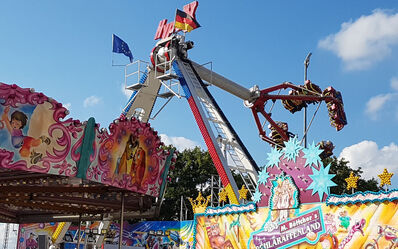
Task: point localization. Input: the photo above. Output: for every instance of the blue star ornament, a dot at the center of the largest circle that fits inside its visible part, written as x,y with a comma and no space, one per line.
263,176
321,181
312,155
257,196
273,157
292,149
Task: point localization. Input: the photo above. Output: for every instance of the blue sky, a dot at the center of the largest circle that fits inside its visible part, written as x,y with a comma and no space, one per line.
63,48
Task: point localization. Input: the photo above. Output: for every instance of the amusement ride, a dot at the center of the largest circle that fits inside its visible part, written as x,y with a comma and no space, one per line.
171,69
63,171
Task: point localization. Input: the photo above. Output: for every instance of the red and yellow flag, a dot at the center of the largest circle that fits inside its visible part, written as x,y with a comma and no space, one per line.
185,22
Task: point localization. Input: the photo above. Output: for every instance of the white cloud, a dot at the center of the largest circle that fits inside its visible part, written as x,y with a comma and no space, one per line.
376,103
126,92
371,159
181,143
68,106
394,83
365,41
91,101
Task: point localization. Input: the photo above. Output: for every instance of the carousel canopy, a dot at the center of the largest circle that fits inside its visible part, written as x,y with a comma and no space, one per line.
57,169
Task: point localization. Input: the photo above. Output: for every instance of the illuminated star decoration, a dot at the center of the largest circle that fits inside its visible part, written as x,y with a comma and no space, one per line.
263,176
321,181
273,157
222,195
352,181
312,155
385,178
243,193
292,149
257,196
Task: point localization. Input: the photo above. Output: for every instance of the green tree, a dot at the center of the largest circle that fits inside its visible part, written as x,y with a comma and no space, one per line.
342,170
192,173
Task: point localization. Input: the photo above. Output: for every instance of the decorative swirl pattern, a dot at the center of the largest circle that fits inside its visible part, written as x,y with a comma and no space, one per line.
66,168
109,157
63,133
75,153
63,140
6,161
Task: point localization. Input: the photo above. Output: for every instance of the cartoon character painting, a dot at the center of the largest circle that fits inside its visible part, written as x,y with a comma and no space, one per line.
330,224
128,154
138,164
25,144
357,227
284,199
153,242
31,242
217,240
135,157
390,236
328,241
344,219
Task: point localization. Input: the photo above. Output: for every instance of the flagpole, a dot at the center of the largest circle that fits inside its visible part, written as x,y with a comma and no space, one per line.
116,65
306,64
175,19
113,38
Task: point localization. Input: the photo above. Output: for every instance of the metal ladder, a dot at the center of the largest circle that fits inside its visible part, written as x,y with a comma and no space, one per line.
230,147
233,153
215,188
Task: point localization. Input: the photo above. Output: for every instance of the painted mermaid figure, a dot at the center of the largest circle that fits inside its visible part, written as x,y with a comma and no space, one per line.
18,139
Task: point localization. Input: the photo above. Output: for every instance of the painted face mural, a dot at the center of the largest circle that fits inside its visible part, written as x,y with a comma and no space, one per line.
284,198
34,136
28,234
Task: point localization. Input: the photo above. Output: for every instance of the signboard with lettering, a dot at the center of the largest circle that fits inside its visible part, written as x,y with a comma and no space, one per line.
290,211
316,226
307,227
165,29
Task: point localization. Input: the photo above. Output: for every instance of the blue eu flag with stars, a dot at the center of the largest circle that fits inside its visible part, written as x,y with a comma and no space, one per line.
119,46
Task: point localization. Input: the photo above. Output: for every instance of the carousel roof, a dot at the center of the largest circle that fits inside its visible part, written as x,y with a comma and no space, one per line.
28,197
57,169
